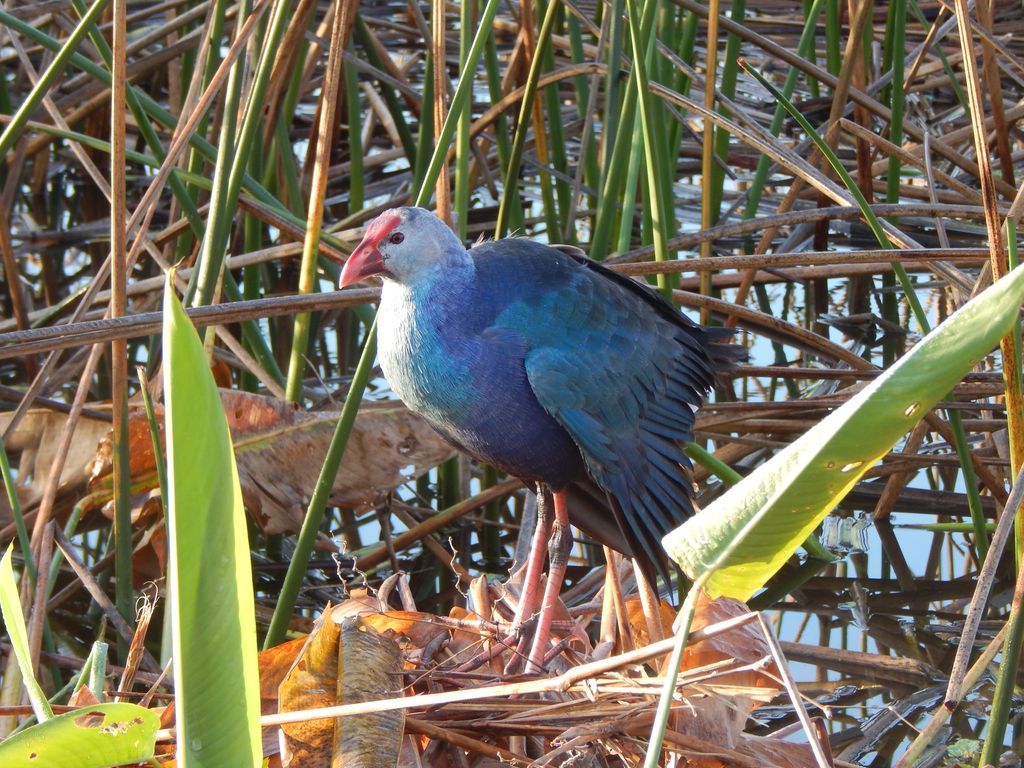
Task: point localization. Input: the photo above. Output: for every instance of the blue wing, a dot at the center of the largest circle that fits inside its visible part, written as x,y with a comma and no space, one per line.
623,372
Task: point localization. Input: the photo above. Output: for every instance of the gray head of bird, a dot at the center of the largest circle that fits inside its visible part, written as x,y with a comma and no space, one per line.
407,245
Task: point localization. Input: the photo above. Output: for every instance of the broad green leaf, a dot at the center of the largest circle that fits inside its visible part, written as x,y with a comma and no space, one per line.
211,597
100,736
14,620
746,535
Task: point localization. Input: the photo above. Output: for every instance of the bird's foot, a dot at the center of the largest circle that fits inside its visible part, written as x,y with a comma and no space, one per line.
532,573
558,554
498,647
521,636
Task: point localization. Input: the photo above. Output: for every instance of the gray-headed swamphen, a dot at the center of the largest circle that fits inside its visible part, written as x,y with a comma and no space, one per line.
552,368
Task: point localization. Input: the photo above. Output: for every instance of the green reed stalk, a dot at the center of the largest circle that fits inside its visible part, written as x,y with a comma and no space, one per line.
662,226
510,186
233,156
64,54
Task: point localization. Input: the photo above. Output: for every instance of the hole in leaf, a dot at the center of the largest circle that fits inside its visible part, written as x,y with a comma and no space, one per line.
90,720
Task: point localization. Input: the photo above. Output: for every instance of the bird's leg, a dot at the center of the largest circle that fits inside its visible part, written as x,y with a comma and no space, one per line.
535,562
558,554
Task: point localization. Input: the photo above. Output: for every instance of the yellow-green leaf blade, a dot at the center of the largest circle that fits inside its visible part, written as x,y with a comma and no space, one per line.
100,736
745,536
214,627
14,620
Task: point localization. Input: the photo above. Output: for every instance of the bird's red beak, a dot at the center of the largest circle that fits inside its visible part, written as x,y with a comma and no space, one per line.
366,260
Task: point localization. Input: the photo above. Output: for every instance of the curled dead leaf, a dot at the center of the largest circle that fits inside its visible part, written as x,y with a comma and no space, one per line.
369,669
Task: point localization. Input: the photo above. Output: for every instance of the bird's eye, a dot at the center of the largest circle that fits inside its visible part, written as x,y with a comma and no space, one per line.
396,238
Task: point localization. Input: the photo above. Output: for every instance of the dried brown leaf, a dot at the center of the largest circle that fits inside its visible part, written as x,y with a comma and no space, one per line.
279,450
140,453
360,602
638,623
412,627
36,438
311,682
279,465
370,667
149,558
82,697
744,644
341,664
717,716
274,664
465,640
